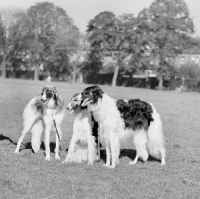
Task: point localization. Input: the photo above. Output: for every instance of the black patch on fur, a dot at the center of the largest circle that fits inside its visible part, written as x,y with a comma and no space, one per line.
38,104
93,93
136,114
95,129
83,107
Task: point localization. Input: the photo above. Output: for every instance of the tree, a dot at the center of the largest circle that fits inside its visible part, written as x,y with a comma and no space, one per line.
8,18
91,66
46,30
166,27
110,36
78,49
190,75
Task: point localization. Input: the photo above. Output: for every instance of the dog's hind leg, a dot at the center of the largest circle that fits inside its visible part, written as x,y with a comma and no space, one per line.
162,151
24,131
117,151
37,131
140,140
28,123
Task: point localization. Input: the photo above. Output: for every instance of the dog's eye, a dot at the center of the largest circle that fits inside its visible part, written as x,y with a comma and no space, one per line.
49,95
75,99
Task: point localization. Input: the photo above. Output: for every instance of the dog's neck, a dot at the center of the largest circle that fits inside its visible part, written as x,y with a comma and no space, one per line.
50,104
80,112
99,107
57,103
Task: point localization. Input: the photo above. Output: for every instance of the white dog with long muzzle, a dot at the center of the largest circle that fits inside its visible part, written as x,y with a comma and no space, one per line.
85,130
44,113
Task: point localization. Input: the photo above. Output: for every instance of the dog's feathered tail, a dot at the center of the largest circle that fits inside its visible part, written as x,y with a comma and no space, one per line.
155,138
37,131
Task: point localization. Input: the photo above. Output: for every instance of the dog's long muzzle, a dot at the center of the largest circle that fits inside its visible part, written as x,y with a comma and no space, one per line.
43,98
70,108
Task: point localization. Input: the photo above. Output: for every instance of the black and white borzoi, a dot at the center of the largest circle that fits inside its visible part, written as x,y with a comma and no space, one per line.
44,113
118,119
82,145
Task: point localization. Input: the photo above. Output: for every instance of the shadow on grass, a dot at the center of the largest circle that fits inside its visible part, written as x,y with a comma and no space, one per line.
42,147
130,153
2,137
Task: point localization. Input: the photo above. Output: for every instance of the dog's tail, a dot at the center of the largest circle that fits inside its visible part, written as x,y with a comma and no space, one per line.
37,131
155,138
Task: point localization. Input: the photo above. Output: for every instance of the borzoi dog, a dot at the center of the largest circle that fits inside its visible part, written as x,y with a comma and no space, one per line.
118,119
82,146
44,113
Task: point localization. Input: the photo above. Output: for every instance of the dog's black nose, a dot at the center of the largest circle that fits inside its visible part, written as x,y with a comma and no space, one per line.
67,108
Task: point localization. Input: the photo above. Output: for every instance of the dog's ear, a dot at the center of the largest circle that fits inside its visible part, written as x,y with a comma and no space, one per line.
55,96
58,100
42,92
86,102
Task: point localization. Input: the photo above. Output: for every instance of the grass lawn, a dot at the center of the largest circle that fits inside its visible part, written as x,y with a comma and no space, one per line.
28,176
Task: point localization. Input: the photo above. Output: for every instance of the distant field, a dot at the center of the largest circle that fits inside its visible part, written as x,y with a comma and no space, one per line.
28,176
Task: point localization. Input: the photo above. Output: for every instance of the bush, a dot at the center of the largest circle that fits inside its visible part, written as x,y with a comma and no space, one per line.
190,73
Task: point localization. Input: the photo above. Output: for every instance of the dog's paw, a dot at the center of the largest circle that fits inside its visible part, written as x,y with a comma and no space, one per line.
90,163
16,151
132,162
40,152
112,166
65,161
109,166
162,164
47,159
57,157
106,165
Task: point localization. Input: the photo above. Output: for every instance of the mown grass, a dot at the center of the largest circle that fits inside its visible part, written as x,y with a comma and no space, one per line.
28,176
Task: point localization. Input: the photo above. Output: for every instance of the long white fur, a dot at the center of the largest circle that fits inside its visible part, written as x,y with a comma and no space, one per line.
82,145
37,122
112,129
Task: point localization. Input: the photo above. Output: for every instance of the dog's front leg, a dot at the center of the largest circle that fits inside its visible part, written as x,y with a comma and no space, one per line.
107,154
70,150
57,143
113,152
90,151
47,142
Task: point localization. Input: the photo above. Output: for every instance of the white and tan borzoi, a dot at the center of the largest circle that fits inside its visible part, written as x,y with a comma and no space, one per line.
118,119
82,145
44,113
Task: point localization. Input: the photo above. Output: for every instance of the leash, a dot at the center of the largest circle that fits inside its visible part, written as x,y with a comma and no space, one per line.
56,127
98,144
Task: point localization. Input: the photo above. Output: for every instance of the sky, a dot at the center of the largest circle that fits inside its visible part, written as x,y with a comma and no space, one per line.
82,11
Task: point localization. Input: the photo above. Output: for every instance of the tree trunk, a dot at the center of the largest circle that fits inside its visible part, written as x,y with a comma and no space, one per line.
116,71
36,73
160,84
81,78
3,71
73,77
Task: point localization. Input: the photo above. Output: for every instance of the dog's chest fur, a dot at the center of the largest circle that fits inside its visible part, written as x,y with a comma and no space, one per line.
83,123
